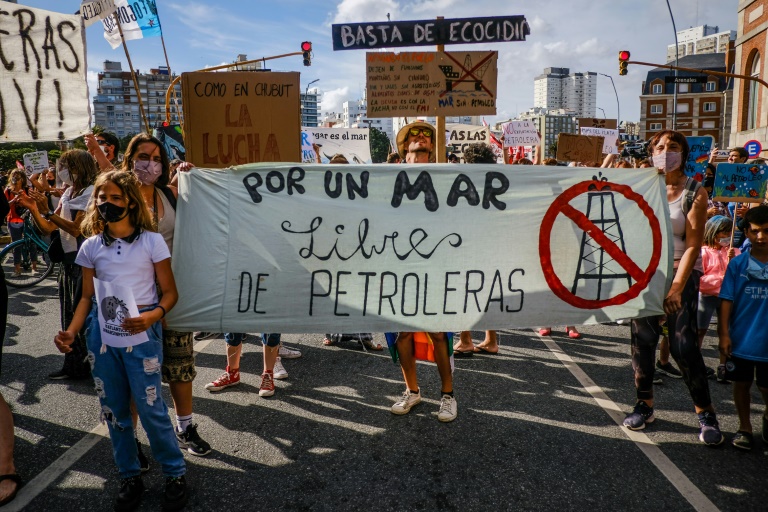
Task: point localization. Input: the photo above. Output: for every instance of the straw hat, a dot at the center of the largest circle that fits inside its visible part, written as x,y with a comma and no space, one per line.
402,136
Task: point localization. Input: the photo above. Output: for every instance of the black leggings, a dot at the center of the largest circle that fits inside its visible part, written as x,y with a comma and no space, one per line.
683,345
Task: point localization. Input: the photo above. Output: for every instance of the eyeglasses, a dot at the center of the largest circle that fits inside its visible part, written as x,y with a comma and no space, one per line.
102,142
416,131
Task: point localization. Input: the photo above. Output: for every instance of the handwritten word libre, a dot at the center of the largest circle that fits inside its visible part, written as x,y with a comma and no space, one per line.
275,182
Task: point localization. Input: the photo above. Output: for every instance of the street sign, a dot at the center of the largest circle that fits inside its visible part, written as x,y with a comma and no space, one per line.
367,36
753,148
685,79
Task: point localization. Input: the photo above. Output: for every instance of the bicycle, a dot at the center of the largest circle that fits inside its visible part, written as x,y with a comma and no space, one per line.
33,251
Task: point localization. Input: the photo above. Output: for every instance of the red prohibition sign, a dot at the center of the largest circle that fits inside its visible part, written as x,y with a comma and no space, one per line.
562,205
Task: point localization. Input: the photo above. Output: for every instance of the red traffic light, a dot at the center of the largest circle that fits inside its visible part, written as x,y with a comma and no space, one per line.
623,55
306,46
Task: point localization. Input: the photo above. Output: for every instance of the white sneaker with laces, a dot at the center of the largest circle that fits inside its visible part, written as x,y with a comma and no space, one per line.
279,371
448,409
288,353
408,400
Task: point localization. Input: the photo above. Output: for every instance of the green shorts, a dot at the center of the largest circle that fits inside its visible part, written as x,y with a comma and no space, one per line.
178,357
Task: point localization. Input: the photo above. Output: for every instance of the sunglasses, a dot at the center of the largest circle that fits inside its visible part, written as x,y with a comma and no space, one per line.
102,142
416,131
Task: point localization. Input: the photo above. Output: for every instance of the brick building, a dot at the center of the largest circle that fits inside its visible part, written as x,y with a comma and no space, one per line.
750,111
702,108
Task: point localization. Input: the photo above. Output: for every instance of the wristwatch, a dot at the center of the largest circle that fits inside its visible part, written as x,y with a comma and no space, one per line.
47,216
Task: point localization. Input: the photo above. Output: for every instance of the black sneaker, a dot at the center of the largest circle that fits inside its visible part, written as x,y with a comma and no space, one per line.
668,370
710,429
205,335
129,495
657,378
59,375
640,416
143,460
192,441
721,374
710,372
175,496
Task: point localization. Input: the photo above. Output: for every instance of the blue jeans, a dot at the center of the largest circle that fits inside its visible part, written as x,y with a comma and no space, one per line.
234,339
119,375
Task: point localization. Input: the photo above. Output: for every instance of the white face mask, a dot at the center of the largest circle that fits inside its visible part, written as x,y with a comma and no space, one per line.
668,161
724,242
64,176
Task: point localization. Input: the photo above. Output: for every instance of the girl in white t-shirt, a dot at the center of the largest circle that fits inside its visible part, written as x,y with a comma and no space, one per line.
124,251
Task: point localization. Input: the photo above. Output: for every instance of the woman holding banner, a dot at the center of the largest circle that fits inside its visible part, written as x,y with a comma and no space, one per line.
146,157
688,214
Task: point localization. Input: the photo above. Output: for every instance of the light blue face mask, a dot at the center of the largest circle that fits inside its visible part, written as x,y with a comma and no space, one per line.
757,271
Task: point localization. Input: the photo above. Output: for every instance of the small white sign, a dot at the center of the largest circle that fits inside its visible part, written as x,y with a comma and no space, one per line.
520,133
610,136
116,303
35,163
95,10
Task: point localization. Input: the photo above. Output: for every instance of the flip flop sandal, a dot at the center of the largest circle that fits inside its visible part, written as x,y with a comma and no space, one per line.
14,478
368,345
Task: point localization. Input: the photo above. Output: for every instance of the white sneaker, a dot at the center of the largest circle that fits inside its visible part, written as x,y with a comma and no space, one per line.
288,353
448,409
408,400
279,371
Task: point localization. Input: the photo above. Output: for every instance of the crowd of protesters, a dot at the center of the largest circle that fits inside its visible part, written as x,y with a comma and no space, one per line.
118,223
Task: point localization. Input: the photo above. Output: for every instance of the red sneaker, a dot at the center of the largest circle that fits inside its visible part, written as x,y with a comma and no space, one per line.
267,384
227,379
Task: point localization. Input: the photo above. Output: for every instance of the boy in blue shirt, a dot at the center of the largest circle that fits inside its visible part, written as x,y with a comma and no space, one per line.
742,328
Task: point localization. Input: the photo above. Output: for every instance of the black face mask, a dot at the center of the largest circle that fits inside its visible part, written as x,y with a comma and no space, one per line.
110,212
51,183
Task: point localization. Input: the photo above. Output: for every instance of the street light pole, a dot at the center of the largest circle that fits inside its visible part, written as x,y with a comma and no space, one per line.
677,63
618,105
601,110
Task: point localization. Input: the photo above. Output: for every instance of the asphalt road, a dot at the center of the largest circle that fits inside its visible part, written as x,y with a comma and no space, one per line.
536,431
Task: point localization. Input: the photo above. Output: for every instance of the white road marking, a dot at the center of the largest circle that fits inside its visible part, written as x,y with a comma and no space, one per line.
59,466
676,477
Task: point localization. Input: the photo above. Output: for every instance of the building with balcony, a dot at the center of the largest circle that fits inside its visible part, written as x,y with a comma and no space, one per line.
116,105
702,108
558,88
700,40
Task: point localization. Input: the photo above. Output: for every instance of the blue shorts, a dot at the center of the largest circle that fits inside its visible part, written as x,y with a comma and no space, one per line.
235,339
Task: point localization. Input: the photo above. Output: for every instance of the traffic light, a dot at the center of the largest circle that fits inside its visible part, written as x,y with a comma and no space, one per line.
623,58
306,51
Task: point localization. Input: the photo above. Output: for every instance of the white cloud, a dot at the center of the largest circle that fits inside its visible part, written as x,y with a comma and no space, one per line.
333,100
358,11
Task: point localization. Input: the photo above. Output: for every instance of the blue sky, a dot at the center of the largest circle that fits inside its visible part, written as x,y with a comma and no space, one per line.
579,34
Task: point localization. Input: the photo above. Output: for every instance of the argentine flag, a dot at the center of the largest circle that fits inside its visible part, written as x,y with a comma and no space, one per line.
138,19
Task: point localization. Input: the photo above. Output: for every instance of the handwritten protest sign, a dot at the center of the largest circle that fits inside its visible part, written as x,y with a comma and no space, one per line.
458,136
609,138
431,83
353,143
698,156
392,34
240,117
594,122
43,88
35,163
380,248
745,183
520,133
580,148
96,10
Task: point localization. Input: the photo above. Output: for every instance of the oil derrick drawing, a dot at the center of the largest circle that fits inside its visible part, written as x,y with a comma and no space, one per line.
595,264
452,77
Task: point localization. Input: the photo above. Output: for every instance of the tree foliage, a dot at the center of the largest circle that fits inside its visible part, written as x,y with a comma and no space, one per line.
379,143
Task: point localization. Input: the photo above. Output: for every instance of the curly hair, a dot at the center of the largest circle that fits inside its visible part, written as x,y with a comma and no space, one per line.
126,181
479,153
82,167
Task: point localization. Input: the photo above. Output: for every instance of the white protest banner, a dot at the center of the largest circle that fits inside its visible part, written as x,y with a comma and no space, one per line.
353,143
115,304
43,88
377,248
520,133
610,137
138,19
96,10
459,136
35,163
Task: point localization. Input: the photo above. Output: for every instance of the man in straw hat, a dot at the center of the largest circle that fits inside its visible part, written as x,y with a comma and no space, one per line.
415,143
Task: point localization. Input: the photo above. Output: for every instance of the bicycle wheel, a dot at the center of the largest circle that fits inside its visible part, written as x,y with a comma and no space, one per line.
35,264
